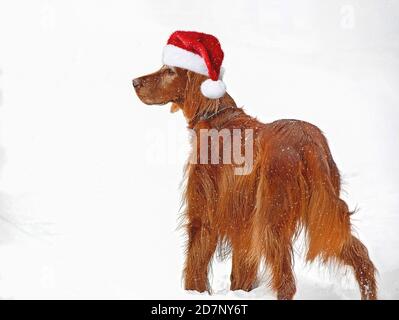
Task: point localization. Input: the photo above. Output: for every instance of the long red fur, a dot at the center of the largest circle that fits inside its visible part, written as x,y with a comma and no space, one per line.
294,186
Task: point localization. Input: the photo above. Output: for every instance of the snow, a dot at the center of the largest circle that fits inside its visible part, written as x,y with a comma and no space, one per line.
89,176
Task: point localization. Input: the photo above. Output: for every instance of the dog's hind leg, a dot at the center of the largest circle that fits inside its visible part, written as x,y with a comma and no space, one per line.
244,270
280,200
279,258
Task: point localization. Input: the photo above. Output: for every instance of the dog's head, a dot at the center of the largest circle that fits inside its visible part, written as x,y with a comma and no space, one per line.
176,85
168,84
181,87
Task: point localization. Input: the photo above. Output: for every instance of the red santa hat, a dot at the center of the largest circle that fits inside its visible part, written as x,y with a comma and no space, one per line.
200,53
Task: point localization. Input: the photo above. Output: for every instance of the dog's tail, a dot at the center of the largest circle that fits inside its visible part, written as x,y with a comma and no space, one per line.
327,218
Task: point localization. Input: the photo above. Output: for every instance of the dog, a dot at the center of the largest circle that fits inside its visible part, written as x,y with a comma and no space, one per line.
294,185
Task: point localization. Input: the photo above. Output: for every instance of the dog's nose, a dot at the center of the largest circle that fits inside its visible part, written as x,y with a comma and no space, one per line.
136,82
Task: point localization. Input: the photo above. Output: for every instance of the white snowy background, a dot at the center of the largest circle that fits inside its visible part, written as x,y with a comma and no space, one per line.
89,176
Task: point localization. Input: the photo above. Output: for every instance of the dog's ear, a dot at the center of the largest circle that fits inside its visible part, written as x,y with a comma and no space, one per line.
174,108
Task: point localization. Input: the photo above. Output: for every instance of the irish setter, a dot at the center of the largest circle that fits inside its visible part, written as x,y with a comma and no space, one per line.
294,184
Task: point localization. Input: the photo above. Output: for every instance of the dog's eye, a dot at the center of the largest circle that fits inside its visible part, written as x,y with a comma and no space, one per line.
171,71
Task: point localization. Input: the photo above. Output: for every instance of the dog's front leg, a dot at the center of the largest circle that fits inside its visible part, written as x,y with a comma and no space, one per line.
202,242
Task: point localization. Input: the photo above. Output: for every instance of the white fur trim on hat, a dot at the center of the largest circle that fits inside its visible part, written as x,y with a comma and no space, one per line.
177,57
213,89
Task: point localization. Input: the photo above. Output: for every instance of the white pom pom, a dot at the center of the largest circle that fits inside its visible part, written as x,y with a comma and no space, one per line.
213,89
